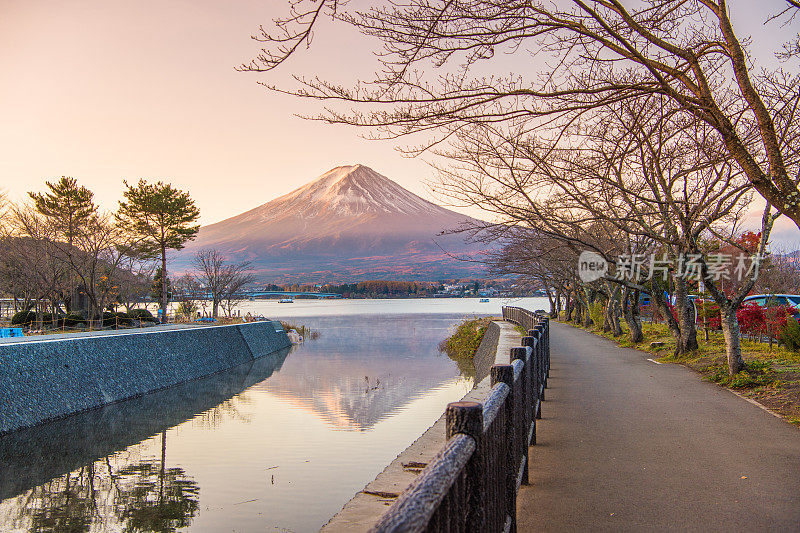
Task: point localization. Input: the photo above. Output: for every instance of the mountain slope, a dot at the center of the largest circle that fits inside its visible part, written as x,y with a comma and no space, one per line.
350,223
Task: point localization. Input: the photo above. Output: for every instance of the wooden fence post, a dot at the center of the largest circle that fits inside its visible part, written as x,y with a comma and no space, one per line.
505,374
533,343
527,418
467,418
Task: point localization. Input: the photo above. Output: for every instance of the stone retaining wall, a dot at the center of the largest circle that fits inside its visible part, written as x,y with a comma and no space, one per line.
32,456
46,380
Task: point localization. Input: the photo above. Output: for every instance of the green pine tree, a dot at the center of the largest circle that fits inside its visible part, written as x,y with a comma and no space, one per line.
67,207
160,218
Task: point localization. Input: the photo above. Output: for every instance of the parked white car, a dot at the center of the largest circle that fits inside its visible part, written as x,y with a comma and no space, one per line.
770,300
765,300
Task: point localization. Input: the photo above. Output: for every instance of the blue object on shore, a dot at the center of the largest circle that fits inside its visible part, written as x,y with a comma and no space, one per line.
11,332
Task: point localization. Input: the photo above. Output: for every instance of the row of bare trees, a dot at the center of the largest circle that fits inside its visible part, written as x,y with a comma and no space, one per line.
619,128
643,180
61,254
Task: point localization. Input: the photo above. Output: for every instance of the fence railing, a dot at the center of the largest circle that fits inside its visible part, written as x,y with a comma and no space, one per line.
472,483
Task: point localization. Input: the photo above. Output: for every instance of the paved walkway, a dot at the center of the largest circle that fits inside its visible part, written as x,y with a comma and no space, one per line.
97,333
626,444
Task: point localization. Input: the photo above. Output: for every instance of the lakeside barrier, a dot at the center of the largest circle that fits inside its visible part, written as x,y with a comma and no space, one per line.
54,378
471,484
33,456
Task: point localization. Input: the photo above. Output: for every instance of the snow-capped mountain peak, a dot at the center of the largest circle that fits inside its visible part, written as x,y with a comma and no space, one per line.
349,223
353,190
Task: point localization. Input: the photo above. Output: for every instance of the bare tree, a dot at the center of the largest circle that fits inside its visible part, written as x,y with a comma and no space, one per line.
188,291
592,55
211,267
222,280
96,259
238,281
39,277
642,179
780,273
134,279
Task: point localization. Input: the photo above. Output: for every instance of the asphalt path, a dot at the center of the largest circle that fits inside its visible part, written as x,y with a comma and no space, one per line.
629,445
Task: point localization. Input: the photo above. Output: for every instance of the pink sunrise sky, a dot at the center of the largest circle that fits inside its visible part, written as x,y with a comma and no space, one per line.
111,90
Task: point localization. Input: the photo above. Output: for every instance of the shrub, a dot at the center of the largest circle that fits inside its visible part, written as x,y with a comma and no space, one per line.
141,314
790,335
751,319
187,308
597,313
776,318
123,319
23,318
466,339
28,318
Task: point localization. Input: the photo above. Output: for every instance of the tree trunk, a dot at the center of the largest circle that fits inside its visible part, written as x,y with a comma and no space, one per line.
578,311
632,318
553,306
612,311
558,304
587,303
163,285
569,307
657,296
686,320
607,317
587,316
730,330
39,315
550,298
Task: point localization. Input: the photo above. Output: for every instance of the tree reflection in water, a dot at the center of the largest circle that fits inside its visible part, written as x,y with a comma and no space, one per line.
151,497
142,496
227,410
64,504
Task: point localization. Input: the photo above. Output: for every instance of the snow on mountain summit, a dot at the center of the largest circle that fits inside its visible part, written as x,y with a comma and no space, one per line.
353,190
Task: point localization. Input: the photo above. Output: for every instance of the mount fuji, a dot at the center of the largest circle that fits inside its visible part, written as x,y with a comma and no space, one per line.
351,223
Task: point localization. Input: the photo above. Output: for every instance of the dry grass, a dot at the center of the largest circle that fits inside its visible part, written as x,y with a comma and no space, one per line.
306,332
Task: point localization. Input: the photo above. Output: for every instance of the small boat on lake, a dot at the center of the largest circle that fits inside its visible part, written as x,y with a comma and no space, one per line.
286,301
484,300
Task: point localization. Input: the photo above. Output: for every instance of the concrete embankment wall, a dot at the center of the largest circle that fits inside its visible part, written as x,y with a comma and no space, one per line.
46,380
485,355
32,456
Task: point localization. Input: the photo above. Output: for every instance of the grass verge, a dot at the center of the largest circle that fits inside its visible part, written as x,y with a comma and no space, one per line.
462,345
772,376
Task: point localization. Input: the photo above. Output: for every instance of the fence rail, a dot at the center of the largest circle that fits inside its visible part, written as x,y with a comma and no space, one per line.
472,483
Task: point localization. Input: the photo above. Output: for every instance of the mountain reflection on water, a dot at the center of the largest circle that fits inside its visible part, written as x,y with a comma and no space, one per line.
353,391
282,442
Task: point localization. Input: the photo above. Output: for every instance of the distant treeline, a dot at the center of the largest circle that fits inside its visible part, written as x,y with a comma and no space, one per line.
365,288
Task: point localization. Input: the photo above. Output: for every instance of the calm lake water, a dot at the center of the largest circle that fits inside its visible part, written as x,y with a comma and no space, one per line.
277,445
